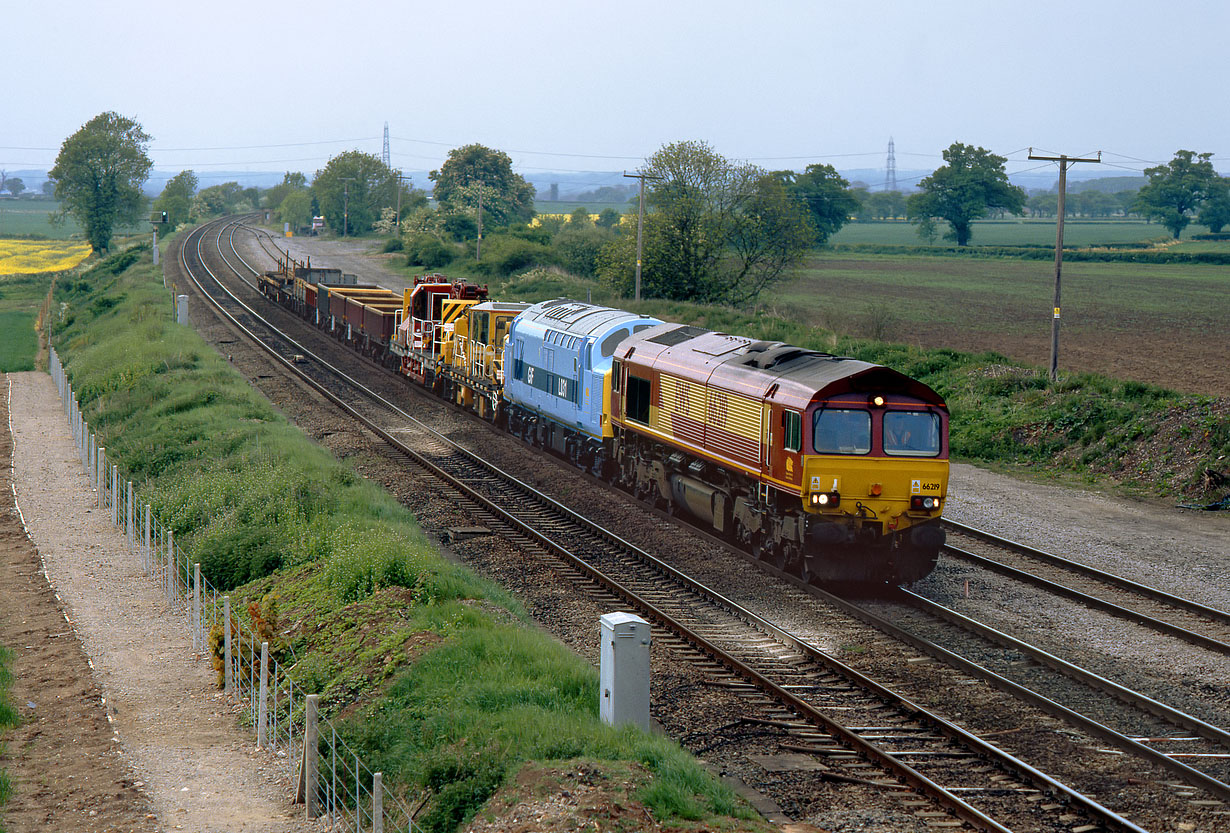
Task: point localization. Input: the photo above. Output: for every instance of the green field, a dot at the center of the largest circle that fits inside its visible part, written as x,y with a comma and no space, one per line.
20,299
565,207
1155,323
28,218
1018,233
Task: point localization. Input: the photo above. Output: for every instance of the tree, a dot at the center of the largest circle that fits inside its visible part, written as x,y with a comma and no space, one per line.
1043,205
296,208
717,231
176,198
15,186
1215,212
608,218
290,182
1176,189
826,195
472,169
352,189
217,200
99,173
49,188
972,183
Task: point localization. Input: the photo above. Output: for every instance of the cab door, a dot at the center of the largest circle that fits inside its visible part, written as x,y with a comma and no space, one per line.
786,451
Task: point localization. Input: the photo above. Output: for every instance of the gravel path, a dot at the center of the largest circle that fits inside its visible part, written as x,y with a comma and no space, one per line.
198,768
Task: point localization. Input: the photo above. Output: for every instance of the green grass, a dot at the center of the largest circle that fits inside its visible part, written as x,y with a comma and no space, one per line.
21,296
565,207
29,218
1015,232
438,677
8,719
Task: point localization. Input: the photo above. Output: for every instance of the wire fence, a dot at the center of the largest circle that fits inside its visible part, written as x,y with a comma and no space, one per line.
336,787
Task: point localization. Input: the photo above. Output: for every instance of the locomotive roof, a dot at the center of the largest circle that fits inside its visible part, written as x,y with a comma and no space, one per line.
577,317
795,375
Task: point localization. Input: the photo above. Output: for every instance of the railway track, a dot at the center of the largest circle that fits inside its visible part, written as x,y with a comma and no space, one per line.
1195,623
909,750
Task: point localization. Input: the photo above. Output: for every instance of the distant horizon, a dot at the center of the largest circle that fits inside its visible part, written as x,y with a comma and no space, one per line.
871,177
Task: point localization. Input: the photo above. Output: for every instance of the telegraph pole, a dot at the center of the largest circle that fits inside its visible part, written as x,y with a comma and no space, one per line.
1064,162
400,180
478,247
640,222
346,180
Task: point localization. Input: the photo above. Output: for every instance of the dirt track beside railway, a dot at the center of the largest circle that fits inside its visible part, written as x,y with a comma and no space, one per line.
140,739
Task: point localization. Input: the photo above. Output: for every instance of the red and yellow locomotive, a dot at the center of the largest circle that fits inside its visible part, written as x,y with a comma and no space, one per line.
828,467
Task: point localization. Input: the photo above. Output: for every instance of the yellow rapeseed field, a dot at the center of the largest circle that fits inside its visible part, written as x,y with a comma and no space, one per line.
29,256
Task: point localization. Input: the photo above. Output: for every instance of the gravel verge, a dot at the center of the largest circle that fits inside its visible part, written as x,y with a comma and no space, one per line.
192,763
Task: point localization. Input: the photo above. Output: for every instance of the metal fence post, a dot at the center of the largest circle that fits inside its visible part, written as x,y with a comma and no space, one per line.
310,764
226,643
98,477
262,709
129,517
167,575
377,802
115,495
198,609
146,552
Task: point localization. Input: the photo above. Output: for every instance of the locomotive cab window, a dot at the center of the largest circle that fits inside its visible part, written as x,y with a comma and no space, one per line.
792,430
611,342
637,408
842,431
615,368
912,434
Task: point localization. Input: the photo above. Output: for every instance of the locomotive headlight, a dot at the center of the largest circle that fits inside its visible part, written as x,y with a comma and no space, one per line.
878,401
825,499
927,504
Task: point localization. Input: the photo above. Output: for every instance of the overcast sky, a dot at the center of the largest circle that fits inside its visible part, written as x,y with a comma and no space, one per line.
278,85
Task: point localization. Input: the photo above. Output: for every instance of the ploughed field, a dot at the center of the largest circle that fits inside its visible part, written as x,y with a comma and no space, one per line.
1158,324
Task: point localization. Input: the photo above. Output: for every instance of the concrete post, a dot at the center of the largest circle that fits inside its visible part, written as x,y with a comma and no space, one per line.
262,708
115,495
377,803
130,520
311,740
100,481
228,680
623,671
181,310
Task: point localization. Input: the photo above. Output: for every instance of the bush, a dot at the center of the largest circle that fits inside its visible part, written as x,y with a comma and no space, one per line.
460,227
393,244
505,254
577,249
427,251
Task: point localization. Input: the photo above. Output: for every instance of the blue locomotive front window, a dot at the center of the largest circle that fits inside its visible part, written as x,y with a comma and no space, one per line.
841,431
911,434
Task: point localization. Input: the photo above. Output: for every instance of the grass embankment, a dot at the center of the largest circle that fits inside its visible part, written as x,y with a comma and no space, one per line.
1153,442
439,678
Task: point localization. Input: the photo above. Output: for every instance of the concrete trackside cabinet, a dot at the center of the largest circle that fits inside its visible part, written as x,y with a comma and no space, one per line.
181,310
623,671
